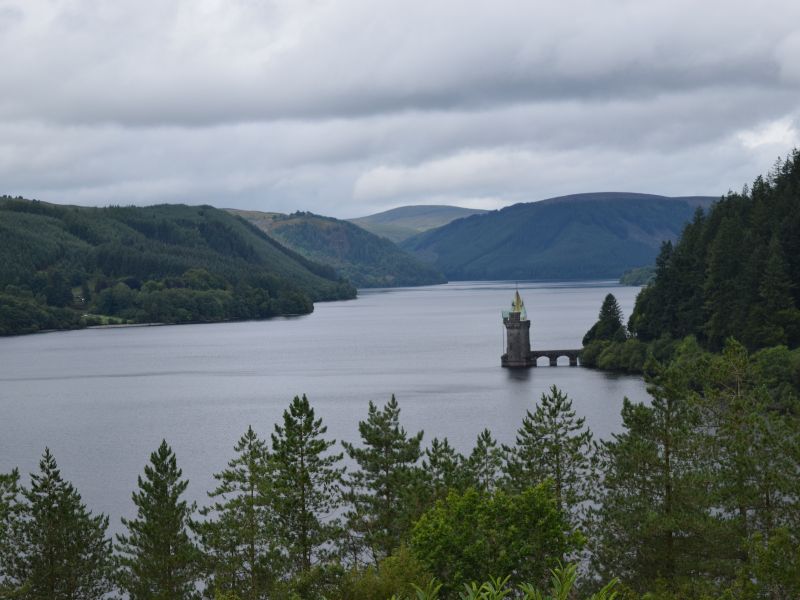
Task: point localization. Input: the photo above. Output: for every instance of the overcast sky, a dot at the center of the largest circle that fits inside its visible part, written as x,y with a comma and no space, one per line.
351,107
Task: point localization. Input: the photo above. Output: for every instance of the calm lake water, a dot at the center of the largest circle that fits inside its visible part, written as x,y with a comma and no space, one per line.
103,399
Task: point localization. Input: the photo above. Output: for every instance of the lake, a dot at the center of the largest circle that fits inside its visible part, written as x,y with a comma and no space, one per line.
102,399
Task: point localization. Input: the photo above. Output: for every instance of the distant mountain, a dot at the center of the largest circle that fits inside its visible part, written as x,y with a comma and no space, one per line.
401,223
366,259
582,236
66,266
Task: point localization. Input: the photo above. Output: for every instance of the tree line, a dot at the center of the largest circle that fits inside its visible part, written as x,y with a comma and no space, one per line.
64,267
733,272
698,496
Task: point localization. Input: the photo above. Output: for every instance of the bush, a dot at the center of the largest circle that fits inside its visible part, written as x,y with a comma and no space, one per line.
396,575
477,535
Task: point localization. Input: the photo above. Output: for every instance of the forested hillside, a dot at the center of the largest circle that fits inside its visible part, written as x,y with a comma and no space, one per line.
401,223
367,260
66,266
734,272
584,236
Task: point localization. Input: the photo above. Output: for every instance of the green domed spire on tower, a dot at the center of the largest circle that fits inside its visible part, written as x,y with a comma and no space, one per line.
518,306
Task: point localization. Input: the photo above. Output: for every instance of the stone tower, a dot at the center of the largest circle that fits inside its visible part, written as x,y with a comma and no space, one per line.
518,336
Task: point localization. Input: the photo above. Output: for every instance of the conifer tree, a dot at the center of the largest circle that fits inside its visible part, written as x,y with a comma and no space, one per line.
754,452
773,317
306,486
776,286
553,443
485,463
10,509
380,490
239,538
609,324
59,550
157,558
725,293
444,468
652,514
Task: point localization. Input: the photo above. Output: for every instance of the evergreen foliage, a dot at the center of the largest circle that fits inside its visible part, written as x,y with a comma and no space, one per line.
380,492
713,462
554,445
485,463
445,469
239,537
698,497
51,547
652,508
10,513
65,267
752,445
306,487
609,326
734,270
157,558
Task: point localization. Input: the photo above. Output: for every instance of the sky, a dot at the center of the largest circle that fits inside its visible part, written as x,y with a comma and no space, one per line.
350,107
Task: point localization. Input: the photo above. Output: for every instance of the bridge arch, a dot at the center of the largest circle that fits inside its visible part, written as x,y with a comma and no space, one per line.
553,356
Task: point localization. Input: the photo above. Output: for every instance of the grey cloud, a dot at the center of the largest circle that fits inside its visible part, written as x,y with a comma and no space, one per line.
238,61
350,107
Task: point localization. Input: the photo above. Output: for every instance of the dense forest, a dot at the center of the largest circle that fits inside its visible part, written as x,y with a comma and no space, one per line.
697,496
359,256
64,267
734,272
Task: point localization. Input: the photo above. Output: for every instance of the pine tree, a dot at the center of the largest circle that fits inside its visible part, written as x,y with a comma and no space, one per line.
239,537
10,509
725,295
444,469
773,318
380,490
683,304
60,551
754,452
485,463
553,444
609,324
306,486
776,287
652,514
157,558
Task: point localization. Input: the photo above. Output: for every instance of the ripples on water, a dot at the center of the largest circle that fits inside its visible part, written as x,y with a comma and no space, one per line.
103,399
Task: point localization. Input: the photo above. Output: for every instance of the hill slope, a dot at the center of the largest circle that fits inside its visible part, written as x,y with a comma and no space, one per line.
367,260
167,263
734,271
583,236
404,222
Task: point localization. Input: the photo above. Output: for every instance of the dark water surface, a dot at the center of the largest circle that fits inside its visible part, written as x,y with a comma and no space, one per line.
103,399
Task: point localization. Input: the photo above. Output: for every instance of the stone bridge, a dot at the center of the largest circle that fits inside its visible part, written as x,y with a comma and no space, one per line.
554,355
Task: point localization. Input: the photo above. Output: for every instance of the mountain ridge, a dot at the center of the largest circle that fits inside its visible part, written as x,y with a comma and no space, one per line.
364,258
398,224
579,236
